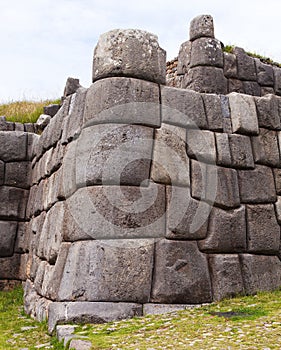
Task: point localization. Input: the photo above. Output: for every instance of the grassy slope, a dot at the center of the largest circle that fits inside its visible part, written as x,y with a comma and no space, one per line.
24,111
12,319
258,327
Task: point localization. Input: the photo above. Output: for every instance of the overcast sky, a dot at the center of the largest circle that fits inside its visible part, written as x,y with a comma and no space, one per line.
45,41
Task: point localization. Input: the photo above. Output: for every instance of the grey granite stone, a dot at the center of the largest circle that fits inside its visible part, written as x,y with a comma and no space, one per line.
251,88
230,65
201,145
8,232
170,162
201,26
90,312
137,102
263,229
265,148
187,218
17,174
182,107
206,79
241,151
265,74
184,58
223,149
206,52
243,114
245,65
15,200
260,273
226,232
132,53
267,109
107,270
13,146
257,186
226,275
213,108
111,212
71,86
216,185
113,154
180,274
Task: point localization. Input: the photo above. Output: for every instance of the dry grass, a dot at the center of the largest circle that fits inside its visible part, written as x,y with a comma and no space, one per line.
24,111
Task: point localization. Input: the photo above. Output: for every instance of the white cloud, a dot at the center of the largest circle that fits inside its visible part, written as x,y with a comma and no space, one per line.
43,42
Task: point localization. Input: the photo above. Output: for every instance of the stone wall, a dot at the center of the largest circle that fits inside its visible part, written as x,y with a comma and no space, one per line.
203,66
15,140
142,194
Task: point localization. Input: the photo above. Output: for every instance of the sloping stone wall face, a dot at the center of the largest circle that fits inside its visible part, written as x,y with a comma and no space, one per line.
138,193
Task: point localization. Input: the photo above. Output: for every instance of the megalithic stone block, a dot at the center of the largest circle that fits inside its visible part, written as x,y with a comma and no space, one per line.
130,53
226,275
181,274
201,26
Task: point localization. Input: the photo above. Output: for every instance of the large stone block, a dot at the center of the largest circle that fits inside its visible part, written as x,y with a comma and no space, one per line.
72,124
265,74
14,202
180,274
230,65
184,58
17,174
243,114
53,132
263,229
212,103
122,100
14,267
216,185
201,145
206,52
132,53
235,85
226,275
187,218
223,149
277,80
113,212
226,232
241,151
251,88
182,107
257,186
23,238
90,312
8,232
57,272
265,148
245,65
13,146
170,162
114,154
108,270
267,109
206,79
2,172
201,26
277,178
51,235
260,273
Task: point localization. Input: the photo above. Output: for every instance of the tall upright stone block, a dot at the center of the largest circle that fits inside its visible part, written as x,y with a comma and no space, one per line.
130,53
201,26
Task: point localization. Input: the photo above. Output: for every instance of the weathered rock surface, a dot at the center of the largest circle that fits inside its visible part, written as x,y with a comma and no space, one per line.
180,274
132,53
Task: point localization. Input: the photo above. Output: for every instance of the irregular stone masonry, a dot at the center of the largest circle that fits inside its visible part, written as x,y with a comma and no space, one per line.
138,194
203,66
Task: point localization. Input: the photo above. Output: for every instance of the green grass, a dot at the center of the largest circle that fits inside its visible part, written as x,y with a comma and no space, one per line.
264,59
255,325
24,111
12,320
